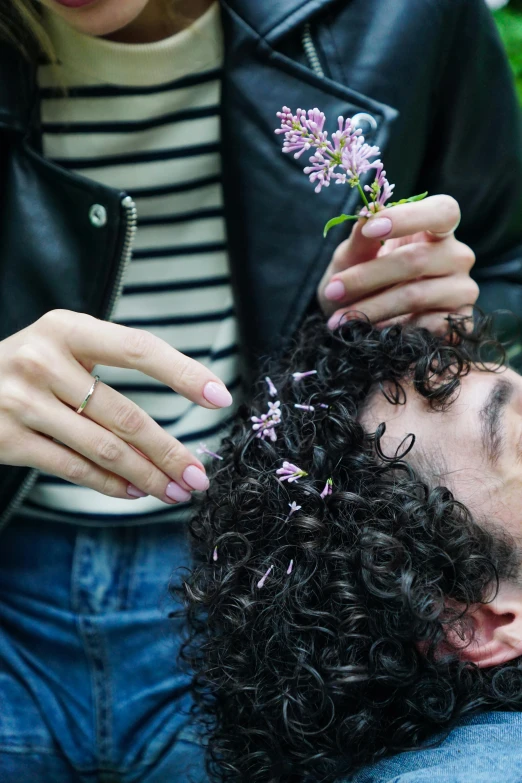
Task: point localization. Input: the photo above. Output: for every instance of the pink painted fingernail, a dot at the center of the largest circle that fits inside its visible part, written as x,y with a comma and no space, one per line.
377,227
218,395
334,322
134,492
338,319
334,290
196,478
177,493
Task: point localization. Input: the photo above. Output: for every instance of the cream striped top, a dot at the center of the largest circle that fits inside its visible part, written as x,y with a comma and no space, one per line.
145,119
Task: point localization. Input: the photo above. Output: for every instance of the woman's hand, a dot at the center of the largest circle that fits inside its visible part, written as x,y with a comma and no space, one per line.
419,275
114,447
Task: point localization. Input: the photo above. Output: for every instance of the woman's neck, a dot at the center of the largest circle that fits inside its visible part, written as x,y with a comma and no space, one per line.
156,22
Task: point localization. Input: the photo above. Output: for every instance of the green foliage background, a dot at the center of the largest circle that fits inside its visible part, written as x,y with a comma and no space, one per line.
509,23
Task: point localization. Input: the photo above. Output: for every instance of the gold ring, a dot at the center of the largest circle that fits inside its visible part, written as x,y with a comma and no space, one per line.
89,394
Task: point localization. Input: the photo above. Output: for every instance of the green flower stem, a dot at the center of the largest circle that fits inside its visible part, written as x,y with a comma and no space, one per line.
363,196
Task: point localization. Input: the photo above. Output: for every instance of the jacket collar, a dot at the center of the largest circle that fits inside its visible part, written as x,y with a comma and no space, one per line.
271,19
275,220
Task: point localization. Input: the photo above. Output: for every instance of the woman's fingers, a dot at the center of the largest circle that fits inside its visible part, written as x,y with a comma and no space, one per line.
423,223
405,263
114,412
438,215
105,450
91,342
116,445
441,294
69,465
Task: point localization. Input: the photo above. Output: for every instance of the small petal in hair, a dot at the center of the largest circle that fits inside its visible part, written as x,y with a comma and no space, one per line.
274,409
290,472
271,388
298,376
304,407
263,579
293,508
264,425
327,488
203,450
289,569
215,554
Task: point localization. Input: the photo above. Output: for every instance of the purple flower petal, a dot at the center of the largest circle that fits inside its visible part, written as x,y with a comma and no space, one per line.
203,450
327,488
298,376
263,579
271,388
290,472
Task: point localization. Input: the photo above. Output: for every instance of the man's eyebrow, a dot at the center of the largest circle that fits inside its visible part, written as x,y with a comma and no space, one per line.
490,415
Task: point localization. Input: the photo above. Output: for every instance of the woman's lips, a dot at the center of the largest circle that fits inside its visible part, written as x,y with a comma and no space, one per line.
74,3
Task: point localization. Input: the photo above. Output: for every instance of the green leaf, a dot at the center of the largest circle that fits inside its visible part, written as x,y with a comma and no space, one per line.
409,200
337,221
509,23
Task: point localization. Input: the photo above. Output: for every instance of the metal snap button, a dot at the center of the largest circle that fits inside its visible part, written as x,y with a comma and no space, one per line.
363,117
98,215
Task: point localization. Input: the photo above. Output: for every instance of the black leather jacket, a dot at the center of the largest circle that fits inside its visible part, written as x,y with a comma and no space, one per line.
430,73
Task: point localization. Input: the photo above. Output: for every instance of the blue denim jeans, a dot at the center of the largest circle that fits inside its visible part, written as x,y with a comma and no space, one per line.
90,690
482,749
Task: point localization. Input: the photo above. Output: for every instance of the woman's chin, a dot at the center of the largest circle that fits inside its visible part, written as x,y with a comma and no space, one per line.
97,17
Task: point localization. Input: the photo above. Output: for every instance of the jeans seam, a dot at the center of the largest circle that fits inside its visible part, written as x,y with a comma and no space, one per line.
127,553
81,559
101,690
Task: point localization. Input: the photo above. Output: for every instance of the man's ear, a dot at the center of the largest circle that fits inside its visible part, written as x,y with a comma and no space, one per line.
497,629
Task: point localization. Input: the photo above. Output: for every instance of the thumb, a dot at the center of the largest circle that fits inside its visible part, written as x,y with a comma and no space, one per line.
357,249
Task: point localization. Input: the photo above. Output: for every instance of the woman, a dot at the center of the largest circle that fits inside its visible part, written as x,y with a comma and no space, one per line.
121,132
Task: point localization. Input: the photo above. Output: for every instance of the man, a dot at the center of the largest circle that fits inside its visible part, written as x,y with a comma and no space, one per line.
475,449
359,590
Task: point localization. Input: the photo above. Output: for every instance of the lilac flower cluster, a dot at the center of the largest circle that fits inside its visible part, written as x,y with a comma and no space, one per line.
380,191
346,150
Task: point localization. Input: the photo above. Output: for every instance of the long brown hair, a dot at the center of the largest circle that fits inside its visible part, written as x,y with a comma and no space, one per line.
20,26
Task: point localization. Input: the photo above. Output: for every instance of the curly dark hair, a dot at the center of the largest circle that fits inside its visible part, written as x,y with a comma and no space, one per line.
339,662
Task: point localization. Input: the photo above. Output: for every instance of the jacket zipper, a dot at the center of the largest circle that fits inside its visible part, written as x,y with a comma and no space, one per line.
311,51
314,63
131,220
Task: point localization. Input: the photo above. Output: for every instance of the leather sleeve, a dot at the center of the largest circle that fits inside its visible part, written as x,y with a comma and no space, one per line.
475,150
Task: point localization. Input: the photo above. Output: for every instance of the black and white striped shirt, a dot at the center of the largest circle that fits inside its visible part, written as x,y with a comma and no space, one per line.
145,119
